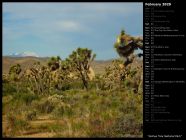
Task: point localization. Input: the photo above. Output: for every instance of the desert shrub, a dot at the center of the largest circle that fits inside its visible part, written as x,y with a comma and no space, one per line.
25,98
56,98
21,124
58,111
62,109
79,129
125,126
63,104
127,83
95,127
7,99
131,103
57,127
44,106
76,84
9,89
65,86
31,115
69,112
47,105
98,125
78,125
16,125
18,102
5,78
92,84
5,103
86,96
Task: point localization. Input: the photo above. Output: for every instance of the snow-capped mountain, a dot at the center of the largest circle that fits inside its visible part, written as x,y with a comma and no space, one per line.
24,54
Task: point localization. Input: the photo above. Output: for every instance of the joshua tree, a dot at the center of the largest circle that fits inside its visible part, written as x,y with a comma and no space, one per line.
115,75
60,77
38,78
5,78
80,61
126,44
42,79
54,63
14,72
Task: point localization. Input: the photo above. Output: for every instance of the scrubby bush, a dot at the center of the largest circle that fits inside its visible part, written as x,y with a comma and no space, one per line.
125,126
95,127
9,89
58,111
6,78
50,104
15,125
44,106
62,110
25,98
31,115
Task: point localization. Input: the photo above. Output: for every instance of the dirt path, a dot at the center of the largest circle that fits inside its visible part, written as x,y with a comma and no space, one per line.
38,135
45,127
37,124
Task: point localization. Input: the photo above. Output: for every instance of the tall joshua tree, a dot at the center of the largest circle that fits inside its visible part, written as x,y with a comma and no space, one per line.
126,44
80,61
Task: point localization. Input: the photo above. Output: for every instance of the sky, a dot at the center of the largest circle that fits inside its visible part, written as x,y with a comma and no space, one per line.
51,29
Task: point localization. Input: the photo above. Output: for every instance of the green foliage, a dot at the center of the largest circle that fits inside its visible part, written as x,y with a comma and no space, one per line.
6,78
15,69
126,44
113,76
58,111
14,72
54,63
38,79
15,125
80,61
9,89
122,32
25,98
31,115
57,128
125,126
45,106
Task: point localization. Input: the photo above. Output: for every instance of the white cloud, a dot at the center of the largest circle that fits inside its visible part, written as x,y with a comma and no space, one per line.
24,54
68,25
66,16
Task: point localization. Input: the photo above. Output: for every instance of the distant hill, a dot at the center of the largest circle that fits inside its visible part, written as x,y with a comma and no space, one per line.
26,62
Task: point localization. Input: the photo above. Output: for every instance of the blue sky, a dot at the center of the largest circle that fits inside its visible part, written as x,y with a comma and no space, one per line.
51,29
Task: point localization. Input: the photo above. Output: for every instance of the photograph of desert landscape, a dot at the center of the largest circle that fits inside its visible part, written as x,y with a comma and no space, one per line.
72,70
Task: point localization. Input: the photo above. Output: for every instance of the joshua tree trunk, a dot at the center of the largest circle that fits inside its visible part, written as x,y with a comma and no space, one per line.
84,79
127,61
